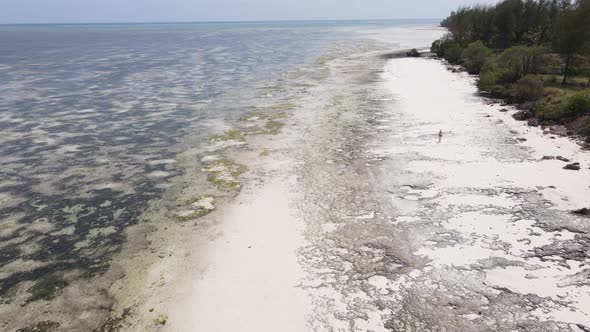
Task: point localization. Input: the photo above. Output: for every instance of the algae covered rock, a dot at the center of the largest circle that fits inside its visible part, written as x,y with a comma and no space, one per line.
224,174
197,208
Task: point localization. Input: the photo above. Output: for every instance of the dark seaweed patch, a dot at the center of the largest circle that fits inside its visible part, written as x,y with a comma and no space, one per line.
115,323
45,326
46,287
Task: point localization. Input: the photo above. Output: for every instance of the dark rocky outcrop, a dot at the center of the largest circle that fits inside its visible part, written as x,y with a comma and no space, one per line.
564,159
573,167
523,115
582,212
558,130
413,53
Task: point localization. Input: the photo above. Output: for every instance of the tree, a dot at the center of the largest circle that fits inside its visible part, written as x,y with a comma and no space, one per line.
460,25
563,24
519,61
482,24
452,53
570,34
447,48
489,79
584,14
506,23
474,56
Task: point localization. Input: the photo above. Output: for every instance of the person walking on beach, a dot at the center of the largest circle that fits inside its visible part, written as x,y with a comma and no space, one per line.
440,133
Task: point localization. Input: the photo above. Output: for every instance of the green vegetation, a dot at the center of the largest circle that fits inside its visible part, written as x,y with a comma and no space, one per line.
474,56
161,319
578,104
447,48
224,174
525,51
268,115
197,207
229,135
528,88
273,127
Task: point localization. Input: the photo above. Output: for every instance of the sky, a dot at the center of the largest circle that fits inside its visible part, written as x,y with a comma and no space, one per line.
106,11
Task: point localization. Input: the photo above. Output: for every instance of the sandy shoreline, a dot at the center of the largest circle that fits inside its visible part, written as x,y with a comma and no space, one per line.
358,219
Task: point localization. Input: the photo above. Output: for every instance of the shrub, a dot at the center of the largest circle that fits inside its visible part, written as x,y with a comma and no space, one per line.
437,47
520,61
489,78
528,88
474,56
578,104
553,79
573,70
452,53
448,49
547,111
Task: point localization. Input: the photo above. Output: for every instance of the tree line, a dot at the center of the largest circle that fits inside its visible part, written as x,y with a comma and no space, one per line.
530,52
560,26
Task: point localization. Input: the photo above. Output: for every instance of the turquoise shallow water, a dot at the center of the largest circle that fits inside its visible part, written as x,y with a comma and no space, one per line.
91,115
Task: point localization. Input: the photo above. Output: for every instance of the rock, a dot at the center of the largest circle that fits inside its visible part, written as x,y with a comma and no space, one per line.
533,122
504,110
413,53
582,212
523,115
562,159
161,319
558,130
573,167
526,106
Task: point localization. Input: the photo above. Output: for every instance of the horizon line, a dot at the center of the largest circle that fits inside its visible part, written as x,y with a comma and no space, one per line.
220,22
